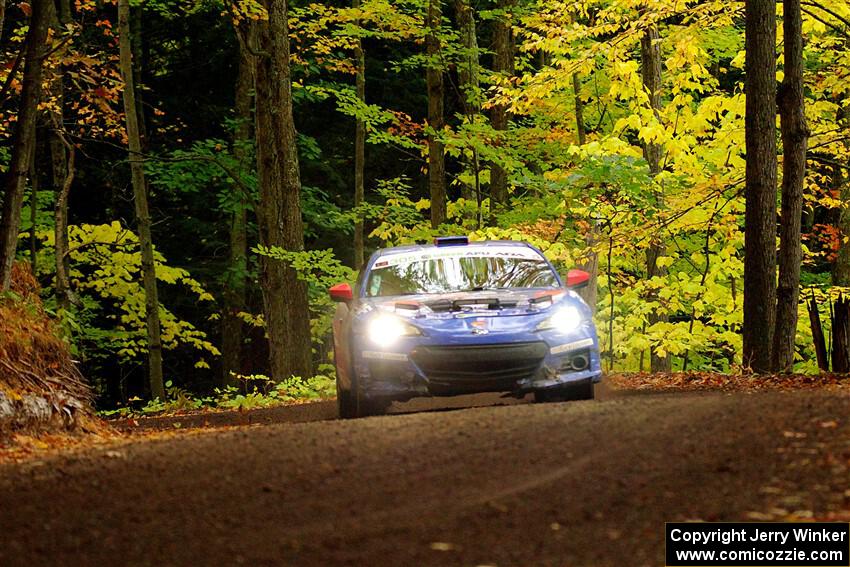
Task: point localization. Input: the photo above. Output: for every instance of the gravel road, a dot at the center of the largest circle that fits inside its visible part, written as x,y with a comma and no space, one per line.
581,483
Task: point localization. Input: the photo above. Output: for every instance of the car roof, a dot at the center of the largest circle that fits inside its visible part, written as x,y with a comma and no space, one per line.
416,247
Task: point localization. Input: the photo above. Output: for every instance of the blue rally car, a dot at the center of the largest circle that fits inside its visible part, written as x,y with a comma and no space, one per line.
459,317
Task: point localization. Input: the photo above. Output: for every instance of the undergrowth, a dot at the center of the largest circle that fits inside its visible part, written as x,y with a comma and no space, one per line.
252,392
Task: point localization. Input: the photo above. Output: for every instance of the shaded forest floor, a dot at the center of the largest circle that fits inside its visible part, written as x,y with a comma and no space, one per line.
22,447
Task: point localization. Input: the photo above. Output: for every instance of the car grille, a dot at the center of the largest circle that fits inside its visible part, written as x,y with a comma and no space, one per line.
478,368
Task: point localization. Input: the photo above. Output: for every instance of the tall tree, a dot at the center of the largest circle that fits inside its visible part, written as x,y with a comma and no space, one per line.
468,83
581,130
60,224
284,294
795,135
650,50
841,268
760,191
23,143
140,196
359,149
62,160
434,84
235,290
591,262
503,63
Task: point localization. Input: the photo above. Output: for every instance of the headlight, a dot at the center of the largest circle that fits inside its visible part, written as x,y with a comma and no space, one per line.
565,319
385,330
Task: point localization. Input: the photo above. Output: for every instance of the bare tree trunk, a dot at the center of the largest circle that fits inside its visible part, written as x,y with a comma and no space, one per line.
841,269
140,196
841,335
285,296
590,293
235,292
817,335
60,214
138,63
434,82
760,216
64,7
580,128
591,264
359,152
469,83
651,74
503,63
2,16
23,143
795,134
62,167
33,202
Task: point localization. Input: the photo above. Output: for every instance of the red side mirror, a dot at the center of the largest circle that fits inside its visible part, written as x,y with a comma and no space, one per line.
577,279
341,292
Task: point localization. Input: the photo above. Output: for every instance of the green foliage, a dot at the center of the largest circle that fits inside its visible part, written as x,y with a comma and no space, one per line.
255,391
320,269
109,318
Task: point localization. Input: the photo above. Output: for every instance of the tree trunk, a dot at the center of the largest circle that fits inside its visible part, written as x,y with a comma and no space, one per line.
468,83
235,290
64,8
34,186
62,167
359,152
591,264
841,267
138,72
284,295
760,216
23,143
795,135
841,335
60,215
2,16
651,75
580,127
140,197
503,63
434,83
590,293
817,335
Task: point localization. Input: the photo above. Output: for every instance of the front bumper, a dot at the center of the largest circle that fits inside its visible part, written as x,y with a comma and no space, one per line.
461,364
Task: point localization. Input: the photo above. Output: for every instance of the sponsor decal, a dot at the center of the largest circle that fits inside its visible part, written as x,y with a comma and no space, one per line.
378,355
571,346
519,252
479,327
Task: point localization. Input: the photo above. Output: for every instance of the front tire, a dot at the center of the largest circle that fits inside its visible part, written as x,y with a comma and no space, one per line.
351,405
345,403
573,392
366,408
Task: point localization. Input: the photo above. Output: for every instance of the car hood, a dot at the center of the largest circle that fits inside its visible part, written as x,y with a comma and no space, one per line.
432,309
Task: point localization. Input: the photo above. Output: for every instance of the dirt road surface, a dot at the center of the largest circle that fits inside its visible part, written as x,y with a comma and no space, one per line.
578,484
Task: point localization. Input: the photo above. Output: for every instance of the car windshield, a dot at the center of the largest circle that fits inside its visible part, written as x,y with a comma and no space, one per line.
459,269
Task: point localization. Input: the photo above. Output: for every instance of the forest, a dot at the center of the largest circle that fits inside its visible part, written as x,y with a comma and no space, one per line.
182,180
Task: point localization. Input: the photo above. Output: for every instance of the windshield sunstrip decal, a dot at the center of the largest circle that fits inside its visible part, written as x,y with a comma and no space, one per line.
519,252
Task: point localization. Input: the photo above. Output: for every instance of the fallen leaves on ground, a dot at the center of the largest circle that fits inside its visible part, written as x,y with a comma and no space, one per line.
20,448
691,381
